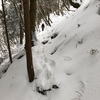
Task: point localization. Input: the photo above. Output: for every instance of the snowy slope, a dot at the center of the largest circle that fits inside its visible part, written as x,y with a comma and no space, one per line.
79,49
69,59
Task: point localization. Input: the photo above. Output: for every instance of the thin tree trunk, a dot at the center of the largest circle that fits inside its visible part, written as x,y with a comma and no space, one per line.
21,32
30,69
6,31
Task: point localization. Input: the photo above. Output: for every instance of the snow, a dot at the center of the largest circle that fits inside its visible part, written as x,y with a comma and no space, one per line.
69,60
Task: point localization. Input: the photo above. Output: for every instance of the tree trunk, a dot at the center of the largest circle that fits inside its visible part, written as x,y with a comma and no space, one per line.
30,69
6,31
21,31
33,19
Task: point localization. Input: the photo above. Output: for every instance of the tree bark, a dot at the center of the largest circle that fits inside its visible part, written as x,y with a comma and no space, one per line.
21,31
6,31
30,69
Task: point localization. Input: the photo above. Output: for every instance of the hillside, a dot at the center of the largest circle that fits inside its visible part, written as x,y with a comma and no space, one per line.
67,57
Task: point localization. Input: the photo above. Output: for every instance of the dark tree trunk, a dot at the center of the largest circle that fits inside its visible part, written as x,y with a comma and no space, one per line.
28,41
21,31
6,31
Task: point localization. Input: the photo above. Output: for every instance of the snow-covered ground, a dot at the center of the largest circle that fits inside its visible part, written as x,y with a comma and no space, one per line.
69,59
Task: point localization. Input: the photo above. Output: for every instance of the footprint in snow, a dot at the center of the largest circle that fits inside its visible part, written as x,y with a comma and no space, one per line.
67,58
